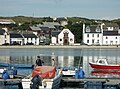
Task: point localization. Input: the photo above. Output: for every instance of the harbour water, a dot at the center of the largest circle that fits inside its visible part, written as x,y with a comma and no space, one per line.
64,58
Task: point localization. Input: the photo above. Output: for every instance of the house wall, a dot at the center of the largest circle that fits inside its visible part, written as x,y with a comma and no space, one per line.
35,41
4,39
18,40
104,40
61,37
92,36
54,40
111,40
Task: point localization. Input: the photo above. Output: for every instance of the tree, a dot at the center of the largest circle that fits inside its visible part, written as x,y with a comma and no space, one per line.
76,29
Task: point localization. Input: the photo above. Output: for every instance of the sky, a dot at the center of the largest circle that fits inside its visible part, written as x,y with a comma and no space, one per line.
92,9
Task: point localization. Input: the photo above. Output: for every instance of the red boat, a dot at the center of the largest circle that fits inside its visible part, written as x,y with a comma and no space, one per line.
103,64
44,71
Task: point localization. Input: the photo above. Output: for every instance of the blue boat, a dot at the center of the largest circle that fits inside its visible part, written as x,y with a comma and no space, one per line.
17,65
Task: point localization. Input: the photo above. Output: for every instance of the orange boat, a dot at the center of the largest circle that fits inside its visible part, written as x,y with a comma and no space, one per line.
44,71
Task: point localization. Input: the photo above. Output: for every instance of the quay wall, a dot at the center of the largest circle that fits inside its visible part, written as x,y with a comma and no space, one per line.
57,46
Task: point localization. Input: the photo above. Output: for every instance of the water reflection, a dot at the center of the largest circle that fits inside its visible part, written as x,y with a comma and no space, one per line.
63,57
105,74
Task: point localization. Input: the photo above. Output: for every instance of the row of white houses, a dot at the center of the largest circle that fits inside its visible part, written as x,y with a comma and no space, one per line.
102,34
63,37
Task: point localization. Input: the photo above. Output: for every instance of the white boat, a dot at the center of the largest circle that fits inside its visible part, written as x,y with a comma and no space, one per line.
50,78
68,72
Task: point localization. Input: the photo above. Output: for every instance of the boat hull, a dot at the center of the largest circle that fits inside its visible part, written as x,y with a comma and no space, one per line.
97,66
50,83
50,78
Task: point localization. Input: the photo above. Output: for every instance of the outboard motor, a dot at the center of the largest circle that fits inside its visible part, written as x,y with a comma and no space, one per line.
36,82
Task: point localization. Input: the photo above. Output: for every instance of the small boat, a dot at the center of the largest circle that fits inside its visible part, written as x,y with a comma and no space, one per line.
16,65
47,77
68,72
103,64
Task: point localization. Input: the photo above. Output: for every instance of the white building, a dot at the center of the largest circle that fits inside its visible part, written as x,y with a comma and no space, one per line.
4,37
92,35
64,37
30,39
103,34
16,38
111,34
6,21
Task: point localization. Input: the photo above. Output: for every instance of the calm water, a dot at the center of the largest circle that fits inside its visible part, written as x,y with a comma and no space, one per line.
63,57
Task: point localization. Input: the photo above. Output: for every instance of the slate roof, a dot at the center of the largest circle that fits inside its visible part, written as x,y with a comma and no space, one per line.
55,33
35,28
114,25
61,19
49,24
29,35
110,33
111,25
2,32
15,35
92,29
44,28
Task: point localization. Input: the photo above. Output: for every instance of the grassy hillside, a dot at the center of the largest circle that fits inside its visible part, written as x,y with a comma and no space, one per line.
23,19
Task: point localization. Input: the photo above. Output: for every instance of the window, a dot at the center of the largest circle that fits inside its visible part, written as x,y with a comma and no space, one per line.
71,39
106,37
5,36
60,39
93,41
87,41
115,37
87,35
87,29
92,35
98,29
97,35
97,41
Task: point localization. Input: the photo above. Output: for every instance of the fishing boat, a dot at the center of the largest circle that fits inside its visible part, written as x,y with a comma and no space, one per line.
16,65
103,64
43,77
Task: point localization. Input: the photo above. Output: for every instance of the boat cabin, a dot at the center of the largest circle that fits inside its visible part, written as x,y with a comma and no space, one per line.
102,61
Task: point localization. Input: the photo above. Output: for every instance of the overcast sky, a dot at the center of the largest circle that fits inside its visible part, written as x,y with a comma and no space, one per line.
95,9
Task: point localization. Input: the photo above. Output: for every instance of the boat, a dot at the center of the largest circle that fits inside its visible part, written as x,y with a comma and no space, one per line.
16,65
68,72
48,77
103,64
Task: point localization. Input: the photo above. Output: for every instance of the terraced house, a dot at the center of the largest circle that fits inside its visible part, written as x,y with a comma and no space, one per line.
101,34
